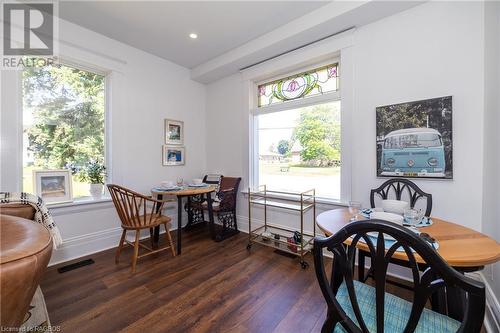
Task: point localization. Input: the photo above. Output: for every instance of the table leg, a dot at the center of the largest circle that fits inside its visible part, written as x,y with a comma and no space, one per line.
211,216
179,224
156,233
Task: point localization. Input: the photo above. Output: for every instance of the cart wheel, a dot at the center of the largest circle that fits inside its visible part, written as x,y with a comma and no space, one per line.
249,246
304,264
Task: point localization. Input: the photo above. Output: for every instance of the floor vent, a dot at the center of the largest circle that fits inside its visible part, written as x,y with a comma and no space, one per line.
75,265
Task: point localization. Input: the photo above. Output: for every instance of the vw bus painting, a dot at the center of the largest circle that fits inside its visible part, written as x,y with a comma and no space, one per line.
413,152
415,139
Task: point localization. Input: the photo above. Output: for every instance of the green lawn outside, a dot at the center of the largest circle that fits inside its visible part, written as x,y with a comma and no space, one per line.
80,189
325,180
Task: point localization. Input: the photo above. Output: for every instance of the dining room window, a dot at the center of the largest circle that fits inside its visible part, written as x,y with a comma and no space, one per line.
64,116
297,133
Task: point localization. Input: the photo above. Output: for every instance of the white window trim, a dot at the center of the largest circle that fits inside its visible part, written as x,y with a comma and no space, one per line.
291,62
109,74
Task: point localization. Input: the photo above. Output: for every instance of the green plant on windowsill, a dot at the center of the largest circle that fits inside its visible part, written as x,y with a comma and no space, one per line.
95,174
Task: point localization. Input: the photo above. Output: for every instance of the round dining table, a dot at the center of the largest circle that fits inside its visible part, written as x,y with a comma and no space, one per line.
183,192
464,249
461,247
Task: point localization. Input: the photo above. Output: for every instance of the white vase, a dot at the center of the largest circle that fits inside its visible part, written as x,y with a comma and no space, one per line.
96,191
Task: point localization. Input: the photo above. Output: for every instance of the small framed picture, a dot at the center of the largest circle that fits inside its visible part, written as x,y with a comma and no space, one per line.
174,132
173,155
53,185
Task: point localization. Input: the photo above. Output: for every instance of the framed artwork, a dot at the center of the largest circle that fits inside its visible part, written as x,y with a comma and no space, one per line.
53,185
173,155
174,132
414,139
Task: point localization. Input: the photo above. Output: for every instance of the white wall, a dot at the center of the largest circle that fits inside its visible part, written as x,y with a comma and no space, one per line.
414,55
145,89
491,180
420,54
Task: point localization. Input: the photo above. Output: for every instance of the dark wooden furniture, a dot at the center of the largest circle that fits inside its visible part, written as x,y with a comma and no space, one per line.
224,207
397,189
187,192
368,311
138,212
193,207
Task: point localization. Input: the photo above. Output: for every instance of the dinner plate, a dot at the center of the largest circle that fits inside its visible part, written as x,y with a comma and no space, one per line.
391,217
171,188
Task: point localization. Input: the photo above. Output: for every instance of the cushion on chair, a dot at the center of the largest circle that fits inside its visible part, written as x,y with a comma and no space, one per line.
397,312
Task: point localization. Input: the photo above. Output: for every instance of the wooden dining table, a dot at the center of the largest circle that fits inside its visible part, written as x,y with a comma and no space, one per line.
464,249
185,192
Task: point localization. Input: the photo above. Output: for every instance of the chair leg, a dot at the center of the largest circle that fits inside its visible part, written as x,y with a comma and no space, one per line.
235,221
136,250
120,246
169,237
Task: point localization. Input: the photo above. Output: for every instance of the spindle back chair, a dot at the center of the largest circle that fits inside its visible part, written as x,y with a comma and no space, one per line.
138,212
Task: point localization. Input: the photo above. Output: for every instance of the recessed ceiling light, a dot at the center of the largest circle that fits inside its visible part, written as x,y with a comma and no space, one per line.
193,36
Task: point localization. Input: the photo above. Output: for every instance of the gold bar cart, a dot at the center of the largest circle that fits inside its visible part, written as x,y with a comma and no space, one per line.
300,202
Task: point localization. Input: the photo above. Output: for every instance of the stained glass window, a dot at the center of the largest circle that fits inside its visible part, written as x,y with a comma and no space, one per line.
311,83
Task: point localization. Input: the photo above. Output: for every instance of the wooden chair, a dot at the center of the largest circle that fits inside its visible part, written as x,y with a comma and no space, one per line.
354,306
224,206
193,204
398,189
138,212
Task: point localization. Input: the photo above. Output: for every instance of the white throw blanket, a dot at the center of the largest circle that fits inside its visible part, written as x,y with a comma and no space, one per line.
42,214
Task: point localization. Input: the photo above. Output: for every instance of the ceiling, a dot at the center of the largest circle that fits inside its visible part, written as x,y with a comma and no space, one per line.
163,28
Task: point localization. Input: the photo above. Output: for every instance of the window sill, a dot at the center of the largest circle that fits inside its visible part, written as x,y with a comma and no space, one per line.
82,205
319,200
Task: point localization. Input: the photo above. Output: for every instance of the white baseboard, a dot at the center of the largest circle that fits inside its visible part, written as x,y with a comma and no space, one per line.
492,311
84,245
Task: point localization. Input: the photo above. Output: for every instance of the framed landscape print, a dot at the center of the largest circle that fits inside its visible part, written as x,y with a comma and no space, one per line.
173,155
414,139
53,185
174,132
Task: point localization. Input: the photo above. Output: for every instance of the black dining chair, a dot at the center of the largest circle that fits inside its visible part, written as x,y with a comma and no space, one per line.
398,189
356,307
192,206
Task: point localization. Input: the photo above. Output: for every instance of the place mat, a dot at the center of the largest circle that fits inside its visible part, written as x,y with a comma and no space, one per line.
426,221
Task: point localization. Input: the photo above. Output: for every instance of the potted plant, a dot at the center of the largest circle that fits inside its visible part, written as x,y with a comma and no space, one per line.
94,173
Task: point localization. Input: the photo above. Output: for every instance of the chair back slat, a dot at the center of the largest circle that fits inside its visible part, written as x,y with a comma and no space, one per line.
398,187
132,207
438,275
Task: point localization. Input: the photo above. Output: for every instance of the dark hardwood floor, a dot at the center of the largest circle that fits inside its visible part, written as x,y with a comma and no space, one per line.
211,287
